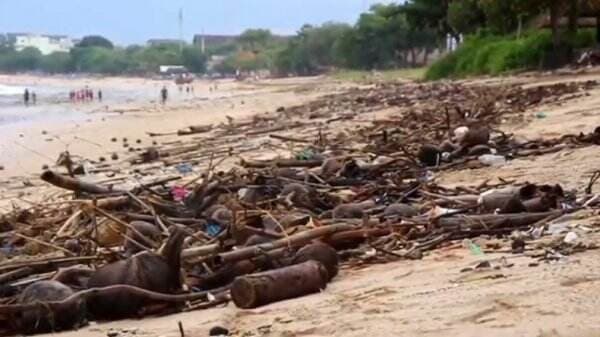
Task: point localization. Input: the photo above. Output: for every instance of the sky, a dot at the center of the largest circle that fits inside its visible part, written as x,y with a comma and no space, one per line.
136,21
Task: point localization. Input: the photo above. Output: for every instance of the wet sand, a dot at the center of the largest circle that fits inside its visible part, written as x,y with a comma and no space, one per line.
86,129
430,297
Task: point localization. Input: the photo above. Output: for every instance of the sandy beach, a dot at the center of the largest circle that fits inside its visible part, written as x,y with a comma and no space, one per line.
130,109
430,297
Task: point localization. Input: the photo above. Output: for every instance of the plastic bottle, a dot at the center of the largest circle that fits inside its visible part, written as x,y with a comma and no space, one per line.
492,160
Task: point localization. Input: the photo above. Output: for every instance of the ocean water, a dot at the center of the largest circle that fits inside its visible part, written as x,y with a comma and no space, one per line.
53,103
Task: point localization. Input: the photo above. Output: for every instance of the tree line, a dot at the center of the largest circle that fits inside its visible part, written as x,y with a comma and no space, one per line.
96,54
386,36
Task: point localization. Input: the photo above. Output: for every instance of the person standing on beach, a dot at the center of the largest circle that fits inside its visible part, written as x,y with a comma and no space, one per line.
99,95
164,94
26,97
33,98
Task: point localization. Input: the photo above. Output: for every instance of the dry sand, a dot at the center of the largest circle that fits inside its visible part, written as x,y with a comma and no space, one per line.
407,298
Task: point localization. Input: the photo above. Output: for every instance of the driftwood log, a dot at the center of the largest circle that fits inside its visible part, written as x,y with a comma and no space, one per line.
155,272
252,291
38,320
487,221
281,163
295,240
75,185
111,291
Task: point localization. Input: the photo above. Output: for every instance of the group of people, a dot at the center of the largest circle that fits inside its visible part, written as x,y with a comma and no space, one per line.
188,89
84,95
29,97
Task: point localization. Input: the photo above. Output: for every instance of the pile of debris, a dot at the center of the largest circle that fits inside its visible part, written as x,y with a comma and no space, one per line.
349,191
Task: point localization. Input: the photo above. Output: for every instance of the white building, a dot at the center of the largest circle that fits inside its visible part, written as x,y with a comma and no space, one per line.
47,44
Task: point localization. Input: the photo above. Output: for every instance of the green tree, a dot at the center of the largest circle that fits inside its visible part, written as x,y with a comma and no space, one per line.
28,59
255,39
432,14
465,16
95,41
56,63
194,60
100,60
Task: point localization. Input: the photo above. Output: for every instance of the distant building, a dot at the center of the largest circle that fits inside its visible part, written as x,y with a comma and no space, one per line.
172,70
214,61
46,44
162,42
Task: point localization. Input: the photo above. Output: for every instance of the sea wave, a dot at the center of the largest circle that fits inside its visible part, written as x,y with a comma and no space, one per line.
7,90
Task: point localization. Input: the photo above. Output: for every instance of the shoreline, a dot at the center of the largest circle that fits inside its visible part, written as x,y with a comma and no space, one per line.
86,129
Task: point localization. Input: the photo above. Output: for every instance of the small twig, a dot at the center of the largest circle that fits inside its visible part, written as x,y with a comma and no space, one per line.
44,243
595,176
385,251
126,225
448,122
151,210
181,333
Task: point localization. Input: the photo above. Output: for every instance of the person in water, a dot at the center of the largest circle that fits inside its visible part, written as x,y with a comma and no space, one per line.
26,97
164,94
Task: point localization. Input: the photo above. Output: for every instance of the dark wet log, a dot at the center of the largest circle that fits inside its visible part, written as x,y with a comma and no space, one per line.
149,231
194,129
252,291
487,221
15,274
289,139
112,203
281,163
430,155
75,185
154,272
358,235
190,253
45,265
296,240
146,217
106,292
477,135
39,320
322,253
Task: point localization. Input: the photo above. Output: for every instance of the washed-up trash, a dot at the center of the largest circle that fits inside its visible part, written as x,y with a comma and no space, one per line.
571,238
218,331
184,168
306,154
213,229
537,233
179,193
558,228
460,132
492,160
472,247
259,226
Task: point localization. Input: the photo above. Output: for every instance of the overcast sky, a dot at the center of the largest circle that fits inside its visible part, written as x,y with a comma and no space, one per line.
135,21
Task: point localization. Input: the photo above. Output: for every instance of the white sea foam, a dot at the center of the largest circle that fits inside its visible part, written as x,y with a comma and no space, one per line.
7,90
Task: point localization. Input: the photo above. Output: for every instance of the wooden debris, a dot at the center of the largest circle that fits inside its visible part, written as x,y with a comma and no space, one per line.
252,291
333,185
